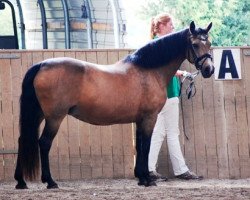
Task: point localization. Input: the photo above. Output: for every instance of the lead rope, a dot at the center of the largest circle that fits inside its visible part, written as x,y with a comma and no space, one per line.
190,90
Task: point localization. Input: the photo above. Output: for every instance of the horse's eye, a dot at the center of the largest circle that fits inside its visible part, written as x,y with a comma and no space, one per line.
195,46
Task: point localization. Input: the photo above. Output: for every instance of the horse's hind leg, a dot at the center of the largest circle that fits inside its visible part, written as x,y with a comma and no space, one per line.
19,177
21,184
49,132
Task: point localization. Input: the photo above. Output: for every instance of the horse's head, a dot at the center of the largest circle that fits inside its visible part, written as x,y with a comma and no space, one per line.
198,50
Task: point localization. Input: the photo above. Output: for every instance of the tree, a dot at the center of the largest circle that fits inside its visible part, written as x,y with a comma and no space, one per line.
231,24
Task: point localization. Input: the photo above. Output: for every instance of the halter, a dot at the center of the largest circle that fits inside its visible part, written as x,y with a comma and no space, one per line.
198,59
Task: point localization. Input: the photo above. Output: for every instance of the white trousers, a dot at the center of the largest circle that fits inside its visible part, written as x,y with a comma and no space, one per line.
167,124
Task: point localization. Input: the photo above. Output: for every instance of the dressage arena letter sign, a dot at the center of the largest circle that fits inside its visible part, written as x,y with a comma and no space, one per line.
227,64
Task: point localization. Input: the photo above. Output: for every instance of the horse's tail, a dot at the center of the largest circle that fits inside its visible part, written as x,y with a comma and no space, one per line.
29,121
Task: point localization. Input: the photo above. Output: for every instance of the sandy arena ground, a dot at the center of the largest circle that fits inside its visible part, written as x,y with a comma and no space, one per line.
127,189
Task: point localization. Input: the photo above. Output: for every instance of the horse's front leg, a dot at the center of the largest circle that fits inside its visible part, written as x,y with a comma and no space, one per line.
144,131
45,142
141,166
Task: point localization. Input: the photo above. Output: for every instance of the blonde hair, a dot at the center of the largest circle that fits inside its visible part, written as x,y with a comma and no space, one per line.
156,21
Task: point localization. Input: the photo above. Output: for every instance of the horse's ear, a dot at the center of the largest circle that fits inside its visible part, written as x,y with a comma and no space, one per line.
209,27
192,27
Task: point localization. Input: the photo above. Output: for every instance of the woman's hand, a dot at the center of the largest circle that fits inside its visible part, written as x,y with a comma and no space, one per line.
182,73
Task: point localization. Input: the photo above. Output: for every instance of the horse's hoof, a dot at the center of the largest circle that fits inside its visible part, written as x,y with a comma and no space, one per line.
52,186
151,183
146,183
21,186
142,183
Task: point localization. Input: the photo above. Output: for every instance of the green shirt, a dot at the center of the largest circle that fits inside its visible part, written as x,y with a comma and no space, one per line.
173,88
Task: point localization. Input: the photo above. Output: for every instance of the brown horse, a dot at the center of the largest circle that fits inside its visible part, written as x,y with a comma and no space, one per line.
131,90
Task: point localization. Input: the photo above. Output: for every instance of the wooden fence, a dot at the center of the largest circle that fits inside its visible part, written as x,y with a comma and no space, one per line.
215,120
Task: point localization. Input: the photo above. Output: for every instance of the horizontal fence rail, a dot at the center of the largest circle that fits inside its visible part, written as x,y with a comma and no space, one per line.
215,121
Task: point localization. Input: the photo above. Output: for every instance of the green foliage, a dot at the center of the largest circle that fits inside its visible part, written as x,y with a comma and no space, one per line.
231,18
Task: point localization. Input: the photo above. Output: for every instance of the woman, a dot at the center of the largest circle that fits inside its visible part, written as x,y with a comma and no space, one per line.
167,123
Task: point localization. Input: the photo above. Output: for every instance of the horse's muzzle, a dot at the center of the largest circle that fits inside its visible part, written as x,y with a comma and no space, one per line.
208,71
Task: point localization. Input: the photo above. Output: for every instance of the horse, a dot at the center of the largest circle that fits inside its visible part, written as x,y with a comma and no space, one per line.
63,86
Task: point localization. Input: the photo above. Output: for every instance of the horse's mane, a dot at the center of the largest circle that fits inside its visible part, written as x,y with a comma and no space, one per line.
159,52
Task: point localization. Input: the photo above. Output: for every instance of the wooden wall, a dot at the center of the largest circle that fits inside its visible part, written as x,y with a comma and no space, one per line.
215,120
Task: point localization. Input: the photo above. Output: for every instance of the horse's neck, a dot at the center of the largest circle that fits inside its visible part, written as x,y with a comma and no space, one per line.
169,51
160,52
167,72
177,53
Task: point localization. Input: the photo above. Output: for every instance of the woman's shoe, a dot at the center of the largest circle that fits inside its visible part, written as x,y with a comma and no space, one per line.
189,176
155,176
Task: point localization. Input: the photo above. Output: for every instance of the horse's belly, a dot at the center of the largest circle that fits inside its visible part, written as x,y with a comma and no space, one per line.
104,115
